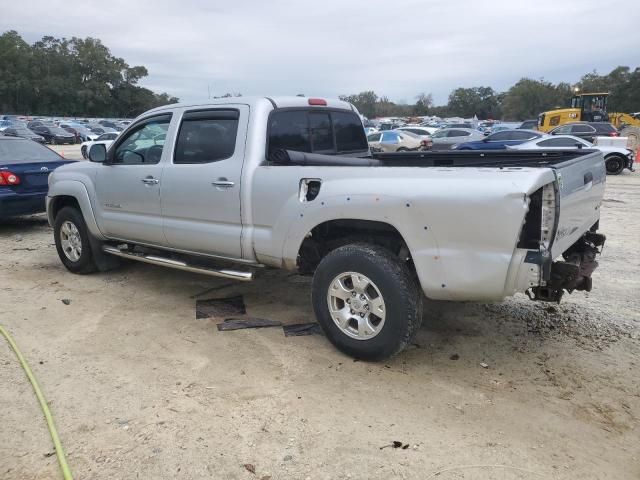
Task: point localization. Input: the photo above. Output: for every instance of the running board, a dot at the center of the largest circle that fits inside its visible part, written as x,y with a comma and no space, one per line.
177,264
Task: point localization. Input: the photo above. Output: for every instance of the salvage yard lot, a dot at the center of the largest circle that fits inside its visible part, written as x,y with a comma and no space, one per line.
140,388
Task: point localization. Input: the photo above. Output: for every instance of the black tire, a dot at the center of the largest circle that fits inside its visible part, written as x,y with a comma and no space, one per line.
402,149
83,151
85,263
614,164
401,295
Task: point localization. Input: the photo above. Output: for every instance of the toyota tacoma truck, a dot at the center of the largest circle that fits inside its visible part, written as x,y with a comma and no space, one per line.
229,187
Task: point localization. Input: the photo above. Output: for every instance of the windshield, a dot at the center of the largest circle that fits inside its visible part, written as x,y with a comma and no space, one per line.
25,151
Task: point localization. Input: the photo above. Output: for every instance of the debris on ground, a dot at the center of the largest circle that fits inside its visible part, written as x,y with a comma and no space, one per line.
66,301
220,308
247,322
250,468
484,365
300,329
455,356
396,444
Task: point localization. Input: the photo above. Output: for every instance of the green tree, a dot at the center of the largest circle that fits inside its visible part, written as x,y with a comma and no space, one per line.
528,98
480,101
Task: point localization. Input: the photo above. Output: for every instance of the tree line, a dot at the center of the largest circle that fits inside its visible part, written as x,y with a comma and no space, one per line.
70,77
524,100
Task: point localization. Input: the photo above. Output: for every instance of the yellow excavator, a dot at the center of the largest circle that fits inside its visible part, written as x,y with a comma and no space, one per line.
592,107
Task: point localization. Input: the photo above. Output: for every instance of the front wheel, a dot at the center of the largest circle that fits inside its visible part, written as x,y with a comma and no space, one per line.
366,301
614,164
72,241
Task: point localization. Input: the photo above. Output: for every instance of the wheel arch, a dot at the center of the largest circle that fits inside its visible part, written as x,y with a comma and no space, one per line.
331,234
72,193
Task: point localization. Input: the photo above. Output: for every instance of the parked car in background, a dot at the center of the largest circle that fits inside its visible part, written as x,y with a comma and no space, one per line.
395,141
460,125
500,140
81,132
106,139
4,124
529,125
24,173
100,129
586,130
446,138
370,130
55,135
23,133
616,159
39,123
423,132
111,124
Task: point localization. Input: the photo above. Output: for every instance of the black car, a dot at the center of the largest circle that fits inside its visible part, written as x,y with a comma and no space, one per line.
55,135
528,125
587,130
39,123
23,133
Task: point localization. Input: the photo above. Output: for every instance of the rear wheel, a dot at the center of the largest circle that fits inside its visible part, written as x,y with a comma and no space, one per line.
366,301
402,149
614,164
72,241
83,151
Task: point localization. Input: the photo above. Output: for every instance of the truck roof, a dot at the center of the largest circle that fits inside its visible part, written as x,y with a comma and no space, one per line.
276,102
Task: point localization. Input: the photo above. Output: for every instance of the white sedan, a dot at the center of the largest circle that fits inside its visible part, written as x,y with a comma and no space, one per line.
106,139
616,158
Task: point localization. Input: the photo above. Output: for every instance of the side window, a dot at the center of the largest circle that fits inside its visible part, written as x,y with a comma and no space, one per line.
582,129
563,130
458,133
375,137
207,136
521,135
439,134
500,136
144,144
390,137
557,142
289,130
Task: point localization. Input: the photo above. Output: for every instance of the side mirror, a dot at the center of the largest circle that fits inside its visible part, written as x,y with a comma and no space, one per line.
579,145
98,153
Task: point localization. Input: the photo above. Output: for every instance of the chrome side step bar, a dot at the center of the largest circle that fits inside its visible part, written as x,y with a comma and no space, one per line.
177,264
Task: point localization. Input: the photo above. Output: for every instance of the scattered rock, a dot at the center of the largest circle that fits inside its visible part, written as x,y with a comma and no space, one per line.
18,238
484,365
455,356
287,458
250,468
66,301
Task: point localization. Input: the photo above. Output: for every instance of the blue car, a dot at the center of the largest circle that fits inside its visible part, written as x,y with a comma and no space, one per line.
24,175
501,140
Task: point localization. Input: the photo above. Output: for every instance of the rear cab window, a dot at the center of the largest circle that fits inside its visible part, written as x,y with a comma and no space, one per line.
318,130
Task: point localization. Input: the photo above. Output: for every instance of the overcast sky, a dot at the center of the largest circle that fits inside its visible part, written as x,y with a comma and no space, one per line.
332,47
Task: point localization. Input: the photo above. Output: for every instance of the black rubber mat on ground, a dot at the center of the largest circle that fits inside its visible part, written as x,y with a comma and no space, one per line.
220,308
247,322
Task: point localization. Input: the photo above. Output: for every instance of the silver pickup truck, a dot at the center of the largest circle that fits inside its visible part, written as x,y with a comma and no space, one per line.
227,187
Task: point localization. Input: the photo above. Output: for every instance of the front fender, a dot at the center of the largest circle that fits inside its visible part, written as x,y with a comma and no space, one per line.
78,191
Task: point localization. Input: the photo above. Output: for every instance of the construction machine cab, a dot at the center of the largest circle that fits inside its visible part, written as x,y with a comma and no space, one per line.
592,106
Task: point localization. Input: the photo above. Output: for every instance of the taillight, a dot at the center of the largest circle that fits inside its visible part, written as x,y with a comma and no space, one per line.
8,178
318,101
614,134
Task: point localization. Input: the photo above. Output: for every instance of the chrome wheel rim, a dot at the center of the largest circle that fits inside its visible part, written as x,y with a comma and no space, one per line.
356,305
70,241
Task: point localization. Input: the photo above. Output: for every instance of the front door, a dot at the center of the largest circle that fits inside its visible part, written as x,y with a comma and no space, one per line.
201,185
128,184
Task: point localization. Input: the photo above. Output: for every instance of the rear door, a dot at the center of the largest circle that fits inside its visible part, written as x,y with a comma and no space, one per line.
201,185
581,184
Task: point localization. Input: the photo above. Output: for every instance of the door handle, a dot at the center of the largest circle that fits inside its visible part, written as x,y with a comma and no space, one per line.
222,182
150,181
588,177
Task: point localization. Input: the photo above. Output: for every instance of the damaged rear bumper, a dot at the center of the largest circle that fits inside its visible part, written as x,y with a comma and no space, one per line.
571,273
